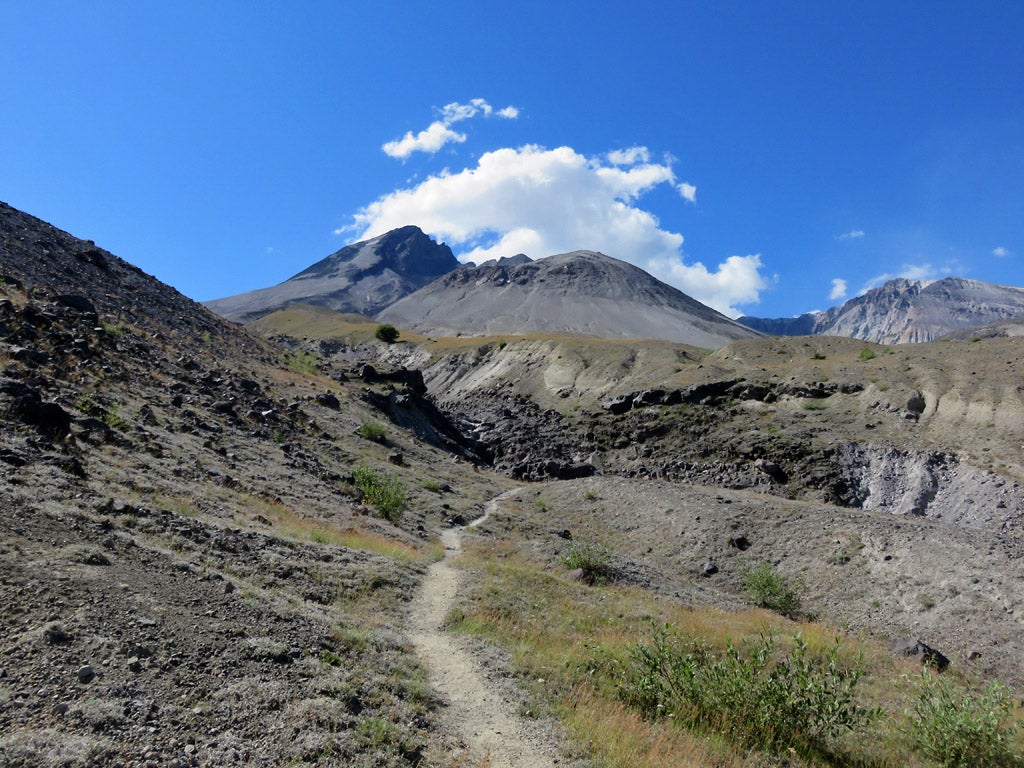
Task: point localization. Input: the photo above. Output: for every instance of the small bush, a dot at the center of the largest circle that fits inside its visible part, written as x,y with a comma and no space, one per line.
593,560
771,590
867,354
386,494
752,694
387,333
959,729
371,430
304,362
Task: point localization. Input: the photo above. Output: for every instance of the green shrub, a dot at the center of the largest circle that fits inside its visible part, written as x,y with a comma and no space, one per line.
387,333
751,694
376,733
958,728
593,560
372,430
867,354
383,492
771,590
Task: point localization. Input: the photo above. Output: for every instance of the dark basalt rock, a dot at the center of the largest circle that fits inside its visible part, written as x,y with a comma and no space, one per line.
912,648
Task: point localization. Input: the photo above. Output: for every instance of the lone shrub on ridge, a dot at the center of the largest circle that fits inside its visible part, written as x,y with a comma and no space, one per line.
387,333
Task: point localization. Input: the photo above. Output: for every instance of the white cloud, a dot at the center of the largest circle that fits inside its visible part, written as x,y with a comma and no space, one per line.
440,132
838,289
430,140
1001,253
629,156
908,271
853,234
545,201
688,191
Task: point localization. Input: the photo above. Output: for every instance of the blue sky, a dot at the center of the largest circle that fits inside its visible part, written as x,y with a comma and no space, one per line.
769,158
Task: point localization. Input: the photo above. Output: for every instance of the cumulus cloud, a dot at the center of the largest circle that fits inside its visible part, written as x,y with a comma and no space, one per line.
838,289
544,201
1001,253
429,140
853,234
440,132
688,191
908,271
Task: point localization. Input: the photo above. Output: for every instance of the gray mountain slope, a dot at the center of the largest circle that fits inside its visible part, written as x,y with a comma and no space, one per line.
364,278
902,311
582,292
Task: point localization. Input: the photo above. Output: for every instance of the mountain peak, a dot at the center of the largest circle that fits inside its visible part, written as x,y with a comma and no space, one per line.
363,277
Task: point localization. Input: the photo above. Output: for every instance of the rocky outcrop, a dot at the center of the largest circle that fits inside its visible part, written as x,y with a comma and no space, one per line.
902,311
934,485
716,392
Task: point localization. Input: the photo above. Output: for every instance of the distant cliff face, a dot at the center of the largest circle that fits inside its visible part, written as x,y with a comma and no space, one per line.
364,278
581,292
903,311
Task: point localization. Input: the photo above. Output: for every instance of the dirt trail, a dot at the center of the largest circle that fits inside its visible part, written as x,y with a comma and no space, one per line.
477,709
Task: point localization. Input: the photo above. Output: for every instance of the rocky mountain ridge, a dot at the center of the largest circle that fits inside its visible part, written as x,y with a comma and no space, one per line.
906,311
362,278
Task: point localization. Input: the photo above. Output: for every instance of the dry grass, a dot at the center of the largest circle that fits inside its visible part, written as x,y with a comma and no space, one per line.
622,739
561,632
287,522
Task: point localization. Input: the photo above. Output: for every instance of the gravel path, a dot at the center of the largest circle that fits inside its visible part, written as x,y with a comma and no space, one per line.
477,708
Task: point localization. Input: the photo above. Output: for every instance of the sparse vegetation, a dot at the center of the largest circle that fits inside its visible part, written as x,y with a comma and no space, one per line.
383,492
593,560
867,354
771,590
304,362
586,644
753,693
372,430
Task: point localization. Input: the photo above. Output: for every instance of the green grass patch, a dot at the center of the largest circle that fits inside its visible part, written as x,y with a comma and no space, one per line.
303,362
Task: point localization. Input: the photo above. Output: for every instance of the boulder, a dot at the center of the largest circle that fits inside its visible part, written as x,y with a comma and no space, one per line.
912,648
